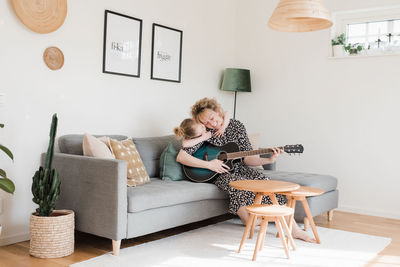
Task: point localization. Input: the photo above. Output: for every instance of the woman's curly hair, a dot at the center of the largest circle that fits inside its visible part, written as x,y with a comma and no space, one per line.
205,103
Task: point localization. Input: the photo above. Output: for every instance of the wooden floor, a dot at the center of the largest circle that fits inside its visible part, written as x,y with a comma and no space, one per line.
88,246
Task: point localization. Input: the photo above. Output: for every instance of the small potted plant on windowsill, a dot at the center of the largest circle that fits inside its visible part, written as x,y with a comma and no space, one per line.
338,45
353,49
5,183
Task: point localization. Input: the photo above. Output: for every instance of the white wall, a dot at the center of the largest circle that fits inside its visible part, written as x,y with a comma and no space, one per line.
87,100
344,111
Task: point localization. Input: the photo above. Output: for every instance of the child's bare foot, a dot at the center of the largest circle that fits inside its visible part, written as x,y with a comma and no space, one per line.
302,235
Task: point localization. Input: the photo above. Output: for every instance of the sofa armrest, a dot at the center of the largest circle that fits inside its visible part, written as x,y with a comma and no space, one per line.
270,167
95,189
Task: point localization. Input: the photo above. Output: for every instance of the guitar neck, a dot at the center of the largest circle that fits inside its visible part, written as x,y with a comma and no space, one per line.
242,154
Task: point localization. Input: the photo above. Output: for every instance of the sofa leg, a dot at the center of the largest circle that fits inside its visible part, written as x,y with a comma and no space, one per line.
306,224
116,244
330,215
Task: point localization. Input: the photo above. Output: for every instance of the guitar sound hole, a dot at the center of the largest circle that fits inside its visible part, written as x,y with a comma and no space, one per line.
222,156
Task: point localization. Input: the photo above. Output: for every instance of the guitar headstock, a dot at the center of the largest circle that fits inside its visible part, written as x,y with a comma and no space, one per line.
293,149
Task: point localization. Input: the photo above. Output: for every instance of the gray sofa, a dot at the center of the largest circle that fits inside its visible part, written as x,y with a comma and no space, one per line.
96,190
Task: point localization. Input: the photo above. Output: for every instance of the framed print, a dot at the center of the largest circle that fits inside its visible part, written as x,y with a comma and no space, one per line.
122,44
166,54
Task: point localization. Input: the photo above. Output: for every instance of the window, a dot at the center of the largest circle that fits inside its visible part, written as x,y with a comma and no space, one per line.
375,34
377,30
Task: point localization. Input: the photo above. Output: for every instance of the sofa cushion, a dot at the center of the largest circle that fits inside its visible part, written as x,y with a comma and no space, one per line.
169,168
126,150
72,143
321,181
150,149
97,147
159,193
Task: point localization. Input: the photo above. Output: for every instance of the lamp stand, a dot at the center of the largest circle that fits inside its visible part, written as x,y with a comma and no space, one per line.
234,107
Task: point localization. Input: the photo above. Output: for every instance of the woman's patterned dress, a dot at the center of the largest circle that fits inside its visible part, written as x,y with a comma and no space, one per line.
236,132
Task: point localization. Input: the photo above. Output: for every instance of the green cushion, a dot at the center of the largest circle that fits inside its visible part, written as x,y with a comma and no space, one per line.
170,170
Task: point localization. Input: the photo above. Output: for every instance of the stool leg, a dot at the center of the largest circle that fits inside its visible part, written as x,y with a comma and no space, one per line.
273,199
310,218
291,217
264,233
288,233
257,200
289,203
259,238
278,225
253,227
246,231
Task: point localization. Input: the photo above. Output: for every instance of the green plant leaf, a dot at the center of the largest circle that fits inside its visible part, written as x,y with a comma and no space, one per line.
7,151
7,185
3,173
1,125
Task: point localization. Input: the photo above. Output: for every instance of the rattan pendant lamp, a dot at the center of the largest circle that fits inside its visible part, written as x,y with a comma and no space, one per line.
300,16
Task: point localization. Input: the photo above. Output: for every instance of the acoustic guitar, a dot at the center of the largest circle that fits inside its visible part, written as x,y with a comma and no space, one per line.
229,154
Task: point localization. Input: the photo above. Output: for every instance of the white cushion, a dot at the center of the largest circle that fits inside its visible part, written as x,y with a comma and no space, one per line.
96,147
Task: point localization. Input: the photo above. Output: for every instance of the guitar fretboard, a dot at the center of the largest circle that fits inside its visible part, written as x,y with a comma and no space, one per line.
241,154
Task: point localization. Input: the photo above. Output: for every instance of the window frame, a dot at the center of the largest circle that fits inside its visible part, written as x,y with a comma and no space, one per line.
344,18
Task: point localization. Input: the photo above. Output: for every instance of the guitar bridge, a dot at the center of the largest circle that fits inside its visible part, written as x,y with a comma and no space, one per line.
205,156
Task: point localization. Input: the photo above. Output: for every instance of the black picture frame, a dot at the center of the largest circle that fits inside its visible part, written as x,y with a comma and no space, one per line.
122,56
166,66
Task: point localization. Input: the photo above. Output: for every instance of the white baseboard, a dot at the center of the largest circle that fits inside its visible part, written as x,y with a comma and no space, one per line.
378,213
12,239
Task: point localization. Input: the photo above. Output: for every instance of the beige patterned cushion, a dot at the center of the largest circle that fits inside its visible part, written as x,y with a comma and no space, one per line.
126,150
96,147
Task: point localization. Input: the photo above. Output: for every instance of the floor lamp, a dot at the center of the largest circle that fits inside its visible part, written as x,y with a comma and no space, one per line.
236,80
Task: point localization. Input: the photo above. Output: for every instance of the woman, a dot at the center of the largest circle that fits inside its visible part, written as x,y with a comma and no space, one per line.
208,112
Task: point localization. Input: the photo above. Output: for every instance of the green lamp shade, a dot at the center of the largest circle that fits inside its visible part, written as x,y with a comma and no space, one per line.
237,80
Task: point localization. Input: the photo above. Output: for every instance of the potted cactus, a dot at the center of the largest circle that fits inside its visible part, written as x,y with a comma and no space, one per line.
5,183
51,231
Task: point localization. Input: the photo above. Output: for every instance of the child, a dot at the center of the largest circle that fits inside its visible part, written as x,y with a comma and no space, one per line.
194,132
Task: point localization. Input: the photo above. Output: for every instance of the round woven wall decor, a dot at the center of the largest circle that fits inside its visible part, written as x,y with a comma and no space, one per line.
41,16
53,57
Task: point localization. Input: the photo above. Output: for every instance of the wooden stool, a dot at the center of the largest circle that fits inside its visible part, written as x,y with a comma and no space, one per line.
300,195
268,213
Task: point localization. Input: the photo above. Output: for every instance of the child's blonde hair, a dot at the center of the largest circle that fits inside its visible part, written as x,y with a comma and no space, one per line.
186,129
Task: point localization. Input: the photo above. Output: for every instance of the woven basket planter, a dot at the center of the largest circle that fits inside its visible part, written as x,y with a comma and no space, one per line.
53,236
